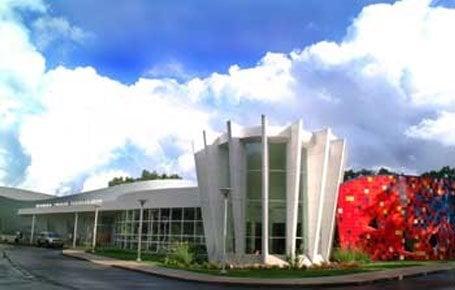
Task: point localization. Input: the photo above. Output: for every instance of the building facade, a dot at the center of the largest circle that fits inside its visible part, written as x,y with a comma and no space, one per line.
11,200
111,216
264,193
282,187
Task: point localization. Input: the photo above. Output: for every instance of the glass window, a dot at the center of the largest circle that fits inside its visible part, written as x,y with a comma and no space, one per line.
159,229
188,228
254,211
155,214
145,215
277,185
163,229
254,185
176,228
188,213
258,230
199,229
277,156
176,214
165,214
253,155
278,230
198,213
144,228
248,229
278,246
299,229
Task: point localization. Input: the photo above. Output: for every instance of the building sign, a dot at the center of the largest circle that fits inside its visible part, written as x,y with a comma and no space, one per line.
70,203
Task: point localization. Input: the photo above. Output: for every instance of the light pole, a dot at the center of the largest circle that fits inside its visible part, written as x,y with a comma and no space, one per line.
76,216
95,227
32,231
225,193
139,234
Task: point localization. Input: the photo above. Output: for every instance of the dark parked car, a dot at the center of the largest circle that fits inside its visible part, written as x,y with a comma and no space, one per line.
49,239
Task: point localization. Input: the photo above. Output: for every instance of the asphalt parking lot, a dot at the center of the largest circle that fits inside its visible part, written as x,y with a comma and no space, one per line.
39,268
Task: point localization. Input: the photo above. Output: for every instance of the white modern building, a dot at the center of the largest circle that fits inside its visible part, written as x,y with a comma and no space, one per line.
281,188
112,216
264,193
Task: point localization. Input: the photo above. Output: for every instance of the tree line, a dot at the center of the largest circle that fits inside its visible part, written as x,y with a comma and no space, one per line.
444,172
146,175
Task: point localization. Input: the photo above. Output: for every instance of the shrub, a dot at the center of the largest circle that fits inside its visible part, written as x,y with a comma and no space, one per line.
350,256
200,253
293,263
180,255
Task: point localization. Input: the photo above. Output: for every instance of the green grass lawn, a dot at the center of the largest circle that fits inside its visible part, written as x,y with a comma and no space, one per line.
158,260
312,272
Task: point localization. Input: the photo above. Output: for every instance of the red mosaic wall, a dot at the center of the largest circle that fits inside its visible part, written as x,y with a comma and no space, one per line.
397,217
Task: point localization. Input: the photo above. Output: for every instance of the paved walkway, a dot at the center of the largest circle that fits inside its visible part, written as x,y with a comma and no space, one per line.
342,280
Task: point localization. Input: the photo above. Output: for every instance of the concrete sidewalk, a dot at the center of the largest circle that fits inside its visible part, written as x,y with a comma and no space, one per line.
341,280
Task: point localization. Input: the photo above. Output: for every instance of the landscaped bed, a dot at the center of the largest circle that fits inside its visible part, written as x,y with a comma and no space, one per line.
270,272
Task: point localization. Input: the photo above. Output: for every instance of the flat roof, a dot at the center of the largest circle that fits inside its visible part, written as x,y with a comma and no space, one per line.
22,194
158,193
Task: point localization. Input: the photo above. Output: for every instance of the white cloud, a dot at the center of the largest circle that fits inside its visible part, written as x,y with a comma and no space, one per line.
270,80
83,125
49,30
8,7
408,42
391,75
379,87
101,179
441,129
171,69
21,66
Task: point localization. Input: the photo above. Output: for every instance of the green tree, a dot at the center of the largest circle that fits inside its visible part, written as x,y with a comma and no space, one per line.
444,172
145,175
351,173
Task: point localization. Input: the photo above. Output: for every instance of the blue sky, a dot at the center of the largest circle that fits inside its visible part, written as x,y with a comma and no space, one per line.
133,37
90,90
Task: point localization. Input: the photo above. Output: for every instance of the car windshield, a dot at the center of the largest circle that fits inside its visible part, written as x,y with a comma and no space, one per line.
53,235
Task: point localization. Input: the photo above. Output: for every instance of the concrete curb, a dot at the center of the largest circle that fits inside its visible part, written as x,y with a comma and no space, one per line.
341,280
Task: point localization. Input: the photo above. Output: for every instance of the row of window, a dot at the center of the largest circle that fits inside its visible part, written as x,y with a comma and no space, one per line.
175,214
160,228
277,197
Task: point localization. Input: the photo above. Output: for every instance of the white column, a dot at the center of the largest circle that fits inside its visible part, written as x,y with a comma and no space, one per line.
293,164
139,234
95,226
316,249
32,230
265,191
76,216
237,183
223,270
336,173
316,155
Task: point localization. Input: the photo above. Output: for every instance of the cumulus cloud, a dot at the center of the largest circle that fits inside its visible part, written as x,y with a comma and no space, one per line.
441,129
101,179
83,125
171,69
391,72
386,87
72,121
270,80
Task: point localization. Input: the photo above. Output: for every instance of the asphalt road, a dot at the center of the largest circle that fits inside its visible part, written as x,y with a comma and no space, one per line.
37,268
